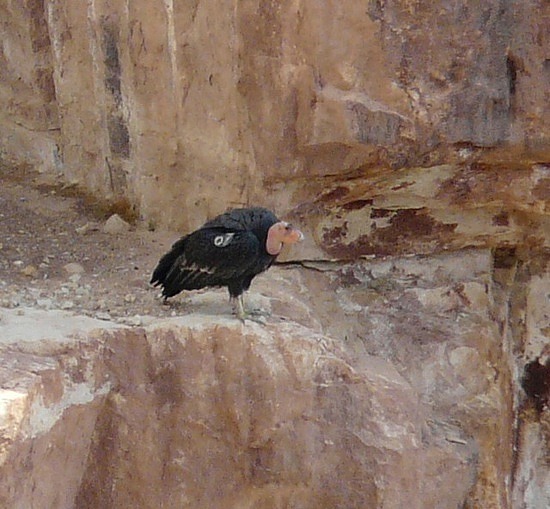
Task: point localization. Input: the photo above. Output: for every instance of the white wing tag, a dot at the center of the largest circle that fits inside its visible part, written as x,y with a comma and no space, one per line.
223,240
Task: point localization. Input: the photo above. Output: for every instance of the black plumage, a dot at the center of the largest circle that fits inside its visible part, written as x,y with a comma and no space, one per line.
230,250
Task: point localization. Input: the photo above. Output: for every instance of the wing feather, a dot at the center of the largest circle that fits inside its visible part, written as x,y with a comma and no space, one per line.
203,261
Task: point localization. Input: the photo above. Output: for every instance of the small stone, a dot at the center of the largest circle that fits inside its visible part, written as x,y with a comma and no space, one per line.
44,303
130,298
18,263
73,268
133,321
82,290
115,224
98,304
88,227
102,315
81,230
29,271
75,278
67,304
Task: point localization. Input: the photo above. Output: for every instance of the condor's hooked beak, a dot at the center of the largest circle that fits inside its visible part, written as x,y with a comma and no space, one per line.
292,234
282,233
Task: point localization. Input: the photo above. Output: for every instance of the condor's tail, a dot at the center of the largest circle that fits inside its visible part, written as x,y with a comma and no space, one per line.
165,264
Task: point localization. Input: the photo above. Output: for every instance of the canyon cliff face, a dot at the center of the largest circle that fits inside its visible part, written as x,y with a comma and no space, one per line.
405,382
186,108
410,142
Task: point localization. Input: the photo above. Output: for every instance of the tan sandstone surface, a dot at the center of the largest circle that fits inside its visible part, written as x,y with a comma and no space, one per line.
205,412
406,360
390,382
186,108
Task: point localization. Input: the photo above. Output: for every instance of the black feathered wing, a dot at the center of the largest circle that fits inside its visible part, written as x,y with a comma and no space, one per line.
167,261
209,257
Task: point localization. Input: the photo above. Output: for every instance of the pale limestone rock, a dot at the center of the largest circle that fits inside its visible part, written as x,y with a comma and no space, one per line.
463,328
422,388
115,225
39,330
255,416
30,271
73,268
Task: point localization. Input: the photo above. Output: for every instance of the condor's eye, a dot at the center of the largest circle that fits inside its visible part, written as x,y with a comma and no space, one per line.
289,227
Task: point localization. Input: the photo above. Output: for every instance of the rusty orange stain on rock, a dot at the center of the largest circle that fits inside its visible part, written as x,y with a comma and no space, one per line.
501,219
407,228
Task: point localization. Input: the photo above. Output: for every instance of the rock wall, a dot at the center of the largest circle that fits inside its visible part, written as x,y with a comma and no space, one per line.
404,382
453,326
409,140
205,413
187,108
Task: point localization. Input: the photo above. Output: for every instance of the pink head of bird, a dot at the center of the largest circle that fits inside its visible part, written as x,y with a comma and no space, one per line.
282,233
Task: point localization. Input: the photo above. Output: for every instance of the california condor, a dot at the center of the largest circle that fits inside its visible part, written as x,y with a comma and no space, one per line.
230,250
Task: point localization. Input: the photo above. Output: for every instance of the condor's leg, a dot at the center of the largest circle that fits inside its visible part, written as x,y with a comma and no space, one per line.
255,315
238,307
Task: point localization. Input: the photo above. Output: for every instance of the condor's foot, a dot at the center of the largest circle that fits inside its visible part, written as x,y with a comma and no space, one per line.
259,315
254,315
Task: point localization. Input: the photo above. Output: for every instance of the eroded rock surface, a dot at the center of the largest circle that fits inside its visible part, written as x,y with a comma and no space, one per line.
406,363
415,382
185,109
201,412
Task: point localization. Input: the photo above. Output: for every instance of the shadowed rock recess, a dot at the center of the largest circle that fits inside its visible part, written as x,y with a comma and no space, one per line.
406,362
